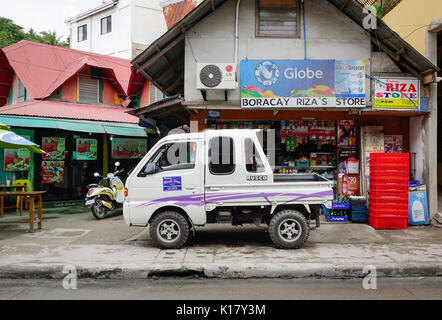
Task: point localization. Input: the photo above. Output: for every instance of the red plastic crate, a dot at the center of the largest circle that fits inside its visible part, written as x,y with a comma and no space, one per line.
386,196
390,157
389,180
387,212
381,172
391,222
390,188
380,206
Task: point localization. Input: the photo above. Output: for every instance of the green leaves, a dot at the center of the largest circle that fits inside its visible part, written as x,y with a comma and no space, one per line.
11,33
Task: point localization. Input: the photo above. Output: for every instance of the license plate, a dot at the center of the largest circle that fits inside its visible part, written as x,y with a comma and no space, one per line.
89,203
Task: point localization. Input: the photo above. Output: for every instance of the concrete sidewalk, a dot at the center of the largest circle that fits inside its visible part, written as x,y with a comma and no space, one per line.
110,249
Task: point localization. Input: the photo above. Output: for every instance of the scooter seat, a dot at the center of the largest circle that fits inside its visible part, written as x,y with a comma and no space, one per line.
93,185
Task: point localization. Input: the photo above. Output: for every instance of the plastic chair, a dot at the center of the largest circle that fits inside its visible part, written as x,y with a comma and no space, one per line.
28,185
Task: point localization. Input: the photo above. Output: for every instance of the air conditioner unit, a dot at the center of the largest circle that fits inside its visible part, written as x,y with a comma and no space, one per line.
216,76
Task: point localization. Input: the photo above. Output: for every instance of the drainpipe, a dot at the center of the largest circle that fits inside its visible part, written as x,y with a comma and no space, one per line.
236,31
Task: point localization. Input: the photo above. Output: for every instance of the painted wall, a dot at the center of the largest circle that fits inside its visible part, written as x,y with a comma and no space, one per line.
411,18
330,35
145,96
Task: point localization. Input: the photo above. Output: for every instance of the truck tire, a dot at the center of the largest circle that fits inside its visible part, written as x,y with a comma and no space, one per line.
288,229
169,230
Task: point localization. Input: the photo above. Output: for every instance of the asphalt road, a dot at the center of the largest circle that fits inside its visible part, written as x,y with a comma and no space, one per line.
224,289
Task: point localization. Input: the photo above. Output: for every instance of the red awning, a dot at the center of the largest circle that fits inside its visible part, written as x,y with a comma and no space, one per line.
66,110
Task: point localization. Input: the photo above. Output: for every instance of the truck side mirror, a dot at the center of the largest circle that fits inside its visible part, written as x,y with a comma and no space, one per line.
150,168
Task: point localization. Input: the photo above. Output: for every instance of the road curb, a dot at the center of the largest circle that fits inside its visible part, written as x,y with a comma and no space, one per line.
222,270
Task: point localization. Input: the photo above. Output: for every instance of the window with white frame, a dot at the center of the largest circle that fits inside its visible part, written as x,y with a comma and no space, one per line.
82,33
277,18
106,25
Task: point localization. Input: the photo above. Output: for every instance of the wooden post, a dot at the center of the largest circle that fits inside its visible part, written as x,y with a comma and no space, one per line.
39,210
105,156
31,214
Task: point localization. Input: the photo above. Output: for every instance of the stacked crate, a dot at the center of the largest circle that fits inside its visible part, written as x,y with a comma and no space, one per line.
358,207
388,190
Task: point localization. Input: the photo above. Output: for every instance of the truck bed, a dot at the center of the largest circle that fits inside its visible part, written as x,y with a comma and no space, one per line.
303,177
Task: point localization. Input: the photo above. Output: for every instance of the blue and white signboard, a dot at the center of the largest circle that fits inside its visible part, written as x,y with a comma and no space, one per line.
302,83
172,184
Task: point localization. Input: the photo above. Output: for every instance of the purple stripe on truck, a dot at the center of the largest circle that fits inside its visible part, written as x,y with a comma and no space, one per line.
198,199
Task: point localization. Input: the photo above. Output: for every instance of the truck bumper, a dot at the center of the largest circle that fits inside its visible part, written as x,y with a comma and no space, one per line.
126,213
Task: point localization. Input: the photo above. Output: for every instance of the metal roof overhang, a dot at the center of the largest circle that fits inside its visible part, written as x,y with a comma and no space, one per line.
163,61
113,128
168,112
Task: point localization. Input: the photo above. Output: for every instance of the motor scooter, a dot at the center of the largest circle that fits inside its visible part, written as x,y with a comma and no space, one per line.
107,195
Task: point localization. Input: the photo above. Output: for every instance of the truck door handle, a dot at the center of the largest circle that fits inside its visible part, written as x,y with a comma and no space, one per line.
190,188
215,188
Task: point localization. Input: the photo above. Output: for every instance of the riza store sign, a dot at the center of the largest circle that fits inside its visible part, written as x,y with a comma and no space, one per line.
302,84
396,94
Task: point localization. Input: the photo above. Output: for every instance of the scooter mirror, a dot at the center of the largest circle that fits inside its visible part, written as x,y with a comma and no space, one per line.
96,174
117,164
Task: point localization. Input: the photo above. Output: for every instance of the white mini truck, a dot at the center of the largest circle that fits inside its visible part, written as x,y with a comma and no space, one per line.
220,176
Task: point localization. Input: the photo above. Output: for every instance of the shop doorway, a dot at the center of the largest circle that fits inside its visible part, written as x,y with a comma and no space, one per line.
69,165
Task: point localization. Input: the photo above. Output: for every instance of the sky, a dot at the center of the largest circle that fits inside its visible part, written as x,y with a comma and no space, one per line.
43,15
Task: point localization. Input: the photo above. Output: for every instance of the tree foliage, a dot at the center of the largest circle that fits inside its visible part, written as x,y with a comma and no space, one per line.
11,33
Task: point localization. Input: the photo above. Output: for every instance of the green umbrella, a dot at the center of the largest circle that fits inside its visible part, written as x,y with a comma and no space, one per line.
11,140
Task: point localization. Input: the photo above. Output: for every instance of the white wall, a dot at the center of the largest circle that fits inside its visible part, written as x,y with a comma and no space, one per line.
148,23
330,35
135,25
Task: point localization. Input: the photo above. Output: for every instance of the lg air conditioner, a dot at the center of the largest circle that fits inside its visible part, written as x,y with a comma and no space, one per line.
216,76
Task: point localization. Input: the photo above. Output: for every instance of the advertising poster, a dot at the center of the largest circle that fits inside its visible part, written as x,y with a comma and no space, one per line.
350,78
389,97
124,148
17,159
302,83
55,148
52,171
86,149
393,144
346,134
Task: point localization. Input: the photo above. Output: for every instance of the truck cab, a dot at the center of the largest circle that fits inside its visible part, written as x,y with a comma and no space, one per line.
219,176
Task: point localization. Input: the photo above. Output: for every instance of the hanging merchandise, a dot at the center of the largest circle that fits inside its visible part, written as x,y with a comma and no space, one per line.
346,133
393,144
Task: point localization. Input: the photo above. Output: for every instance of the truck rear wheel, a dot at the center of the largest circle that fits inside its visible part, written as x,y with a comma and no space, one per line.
169,230
288,229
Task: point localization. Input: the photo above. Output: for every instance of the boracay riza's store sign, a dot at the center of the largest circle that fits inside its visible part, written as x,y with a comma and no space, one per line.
302,83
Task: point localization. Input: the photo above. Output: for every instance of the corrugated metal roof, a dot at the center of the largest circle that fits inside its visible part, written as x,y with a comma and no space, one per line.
43,68
176,11
68,110
162,72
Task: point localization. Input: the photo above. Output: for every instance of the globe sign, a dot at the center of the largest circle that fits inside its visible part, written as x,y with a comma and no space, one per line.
267,73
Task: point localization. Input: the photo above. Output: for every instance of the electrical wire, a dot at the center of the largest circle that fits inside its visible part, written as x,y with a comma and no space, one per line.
305,37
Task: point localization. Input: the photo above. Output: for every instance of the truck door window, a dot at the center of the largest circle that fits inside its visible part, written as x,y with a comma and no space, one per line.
253,160
221,156
173,156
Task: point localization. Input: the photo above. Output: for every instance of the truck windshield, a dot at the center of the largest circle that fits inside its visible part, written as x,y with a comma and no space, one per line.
174,156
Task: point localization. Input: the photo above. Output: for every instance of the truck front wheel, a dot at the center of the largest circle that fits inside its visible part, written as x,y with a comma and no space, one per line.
169,230
288,229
